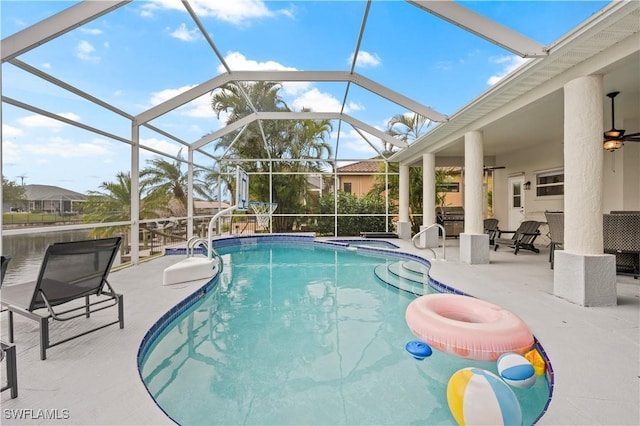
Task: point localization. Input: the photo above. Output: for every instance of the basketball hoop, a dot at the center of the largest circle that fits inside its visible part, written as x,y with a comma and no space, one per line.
263,212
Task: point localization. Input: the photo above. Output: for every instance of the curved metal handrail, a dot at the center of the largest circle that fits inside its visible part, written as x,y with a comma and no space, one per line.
444,238
211,252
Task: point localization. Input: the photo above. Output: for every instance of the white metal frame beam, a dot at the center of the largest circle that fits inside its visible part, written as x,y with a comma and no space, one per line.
54,26
326,76
483,27
304,115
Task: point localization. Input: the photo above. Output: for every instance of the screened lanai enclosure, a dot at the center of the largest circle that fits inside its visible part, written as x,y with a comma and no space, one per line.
149,107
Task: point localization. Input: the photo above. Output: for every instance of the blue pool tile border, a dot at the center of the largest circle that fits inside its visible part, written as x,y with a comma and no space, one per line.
159,326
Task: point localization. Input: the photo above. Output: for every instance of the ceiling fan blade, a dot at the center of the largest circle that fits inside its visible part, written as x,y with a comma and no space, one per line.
633,137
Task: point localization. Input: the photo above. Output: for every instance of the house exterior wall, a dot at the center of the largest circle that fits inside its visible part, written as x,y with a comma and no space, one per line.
360,184
621,179
544,157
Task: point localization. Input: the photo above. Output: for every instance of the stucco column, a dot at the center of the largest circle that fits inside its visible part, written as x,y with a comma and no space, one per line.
404,224
429,238
582,273
474,243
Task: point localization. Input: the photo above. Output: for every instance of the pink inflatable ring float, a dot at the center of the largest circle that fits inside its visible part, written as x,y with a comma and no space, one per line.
467,327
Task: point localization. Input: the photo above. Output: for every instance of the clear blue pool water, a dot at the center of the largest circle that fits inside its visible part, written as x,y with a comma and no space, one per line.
302,334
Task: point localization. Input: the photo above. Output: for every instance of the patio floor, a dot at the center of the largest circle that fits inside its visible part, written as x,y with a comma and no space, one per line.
93,380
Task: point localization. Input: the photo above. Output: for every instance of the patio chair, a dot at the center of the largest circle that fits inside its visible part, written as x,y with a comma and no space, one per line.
491,228
70,272
523,237
555,221
620,238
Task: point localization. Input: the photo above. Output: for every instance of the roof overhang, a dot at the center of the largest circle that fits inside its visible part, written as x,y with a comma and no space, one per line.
608,42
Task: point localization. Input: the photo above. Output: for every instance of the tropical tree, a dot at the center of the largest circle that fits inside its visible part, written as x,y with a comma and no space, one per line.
406,127
284,180
409,127
112,203
12,193
164,178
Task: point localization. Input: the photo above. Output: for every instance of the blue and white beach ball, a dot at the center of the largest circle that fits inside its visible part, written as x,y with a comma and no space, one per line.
477,396
516,370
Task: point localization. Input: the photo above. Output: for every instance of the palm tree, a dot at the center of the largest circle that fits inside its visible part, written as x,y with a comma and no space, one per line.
286,140
163,177
112,204
408,128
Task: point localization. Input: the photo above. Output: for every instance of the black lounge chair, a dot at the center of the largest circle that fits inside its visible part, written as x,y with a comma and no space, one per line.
5,263
69,271
523,237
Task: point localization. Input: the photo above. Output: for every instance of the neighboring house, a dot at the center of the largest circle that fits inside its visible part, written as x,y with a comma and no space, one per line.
204,208
358,178
52,199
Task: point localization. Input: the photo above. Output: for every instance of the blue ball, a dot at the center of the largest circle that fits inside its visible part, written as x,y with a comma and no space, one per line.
419,350
516,370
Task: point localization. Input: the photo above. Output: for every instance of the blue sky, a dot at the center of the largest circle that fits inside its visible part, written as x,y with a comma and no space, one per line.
146,52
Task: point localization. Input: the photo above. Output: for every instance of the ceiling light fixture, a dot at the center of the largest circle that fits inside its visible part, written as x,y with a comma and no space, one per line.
614,138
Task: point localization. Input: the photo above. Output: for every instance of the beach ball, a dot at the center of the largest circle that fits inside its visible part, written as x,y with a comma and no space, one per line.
419,350
477,396
516,370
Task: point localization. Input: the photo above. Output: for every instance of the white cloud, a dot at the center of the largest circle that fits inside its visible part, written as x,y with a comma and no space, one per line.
366,59
237,61
43,121
67,148
161,145
166,94
91,31
46,66
185,34
235,12
317,101
10,151
353,106
85,51
10,131
199,107
351,141
509,63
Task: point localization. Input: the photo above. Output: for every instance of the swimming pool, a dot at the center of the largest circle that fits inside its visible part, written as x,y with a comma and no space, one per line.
301,332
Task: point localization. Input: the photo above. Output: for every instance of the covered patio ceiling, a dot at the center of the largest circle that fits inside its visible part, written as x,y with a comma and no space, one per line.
526,109
358,30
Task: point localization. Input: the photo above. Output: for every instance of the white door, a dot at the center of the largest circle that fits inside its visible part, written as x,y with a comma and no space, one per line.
516,202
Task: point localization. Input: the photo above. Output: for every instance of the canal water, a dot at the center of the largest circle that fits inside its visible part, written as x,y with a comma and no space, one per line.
27,252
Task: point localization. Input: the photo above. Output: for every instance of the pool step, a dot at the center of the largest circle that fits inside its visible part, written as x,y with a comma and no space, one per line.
409,276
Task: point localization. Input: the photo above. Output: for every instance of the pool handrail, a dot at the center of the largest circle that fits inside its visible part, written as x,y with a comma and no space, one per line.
444,238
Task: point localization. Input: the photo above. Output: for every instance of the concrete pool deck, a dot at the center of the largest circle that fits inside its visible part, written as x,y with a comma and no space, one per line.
93,380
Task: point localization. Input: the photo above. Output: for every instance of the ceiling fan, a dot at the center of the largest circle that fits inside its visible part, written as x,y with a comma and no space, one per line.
615,138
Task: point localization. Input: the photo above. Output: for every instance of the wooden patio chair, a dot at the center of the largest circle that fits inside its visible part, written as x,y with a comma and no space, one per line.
491,229
70,272
523,237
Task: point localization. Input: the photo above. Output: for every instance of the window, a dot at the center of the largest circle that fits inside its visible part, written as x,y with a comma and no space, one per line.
449,187
347,187
550,183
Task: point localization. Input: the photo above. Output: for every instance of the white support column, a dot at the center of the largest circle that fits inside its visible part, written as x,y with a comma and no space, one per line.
582,273
190,194
404,224
474,243
135,194
429,238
